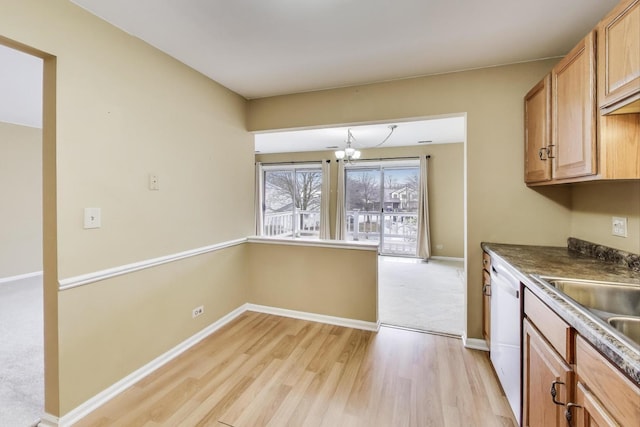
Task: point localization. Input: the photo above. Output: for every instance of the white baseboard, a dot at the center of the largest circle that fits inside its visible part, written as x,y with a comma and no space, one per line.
20,277
313,317
48,420
474,343
104,396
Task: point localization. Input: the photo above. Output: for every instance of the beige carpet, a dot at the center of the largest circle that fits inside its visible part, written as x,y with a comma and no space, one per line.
418,295
21,353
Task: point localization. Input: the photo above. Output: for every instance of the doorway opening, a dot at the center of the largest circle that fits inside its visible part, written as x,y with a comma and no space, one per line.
21,246
372,213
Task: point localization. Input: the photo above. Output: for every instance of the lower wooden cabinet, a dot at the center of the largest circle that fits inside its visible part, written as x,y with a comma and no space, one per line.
546,380
486,298
604,396
565,380
486,307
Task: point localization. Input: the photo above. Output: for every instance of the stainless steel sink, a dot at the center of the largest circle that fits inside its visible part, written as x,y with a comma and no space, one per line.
629,326
609,297
617,304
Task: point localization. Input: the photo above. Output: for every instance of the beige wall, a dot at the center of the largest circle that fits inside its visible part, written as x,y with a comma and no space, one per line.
124,110
111,328
21,195
446,185
499,206
333,282
593,205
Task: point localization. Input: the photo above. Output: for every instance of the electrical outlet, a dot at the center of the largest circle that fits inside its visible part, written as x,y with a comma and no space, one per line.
619,226
197,311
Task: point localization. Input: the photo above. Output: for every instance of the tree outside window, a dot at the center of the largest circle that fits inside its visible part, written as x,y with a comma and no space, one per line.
292,202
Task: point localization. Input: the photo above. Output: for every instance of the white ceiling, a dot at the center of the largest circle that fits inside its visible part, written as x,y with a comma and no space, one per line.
260,48
20,88
433,131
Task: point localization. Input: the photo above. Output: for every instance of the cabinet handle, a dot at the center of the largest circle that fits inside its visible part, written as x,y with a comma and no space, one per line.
567,413
550,151
554,392
542,152
484,290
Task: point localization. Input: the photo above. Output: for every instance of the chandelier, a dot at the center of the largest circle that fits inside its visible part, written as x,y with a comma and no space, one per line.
350,153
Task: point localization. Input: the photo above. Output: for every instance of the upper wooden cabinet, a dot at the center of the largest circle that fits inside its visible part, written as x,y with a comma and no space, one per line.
619,59
571,133
573,112
537,132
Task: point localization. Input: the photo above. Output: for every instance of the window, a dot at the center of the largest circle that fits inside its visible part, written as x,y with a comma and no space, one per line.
291,196
381,204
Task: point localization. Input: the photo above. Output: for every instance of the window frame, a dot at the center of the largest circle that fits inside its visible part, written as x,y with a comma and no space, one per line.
293,168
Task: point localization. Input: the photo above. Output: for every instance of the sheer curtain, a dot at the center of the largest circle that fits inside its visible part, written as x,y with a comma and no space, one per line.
325,232
424,238
341,220
258,201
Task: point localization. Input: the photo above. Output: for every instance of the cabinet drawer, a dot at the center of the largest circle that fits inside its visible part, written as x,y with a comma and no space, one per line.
554,329
617,393
486,261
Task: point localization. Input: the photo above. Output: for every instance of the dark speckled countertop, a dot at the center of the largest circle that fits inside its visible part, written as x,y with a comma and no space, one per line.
527,261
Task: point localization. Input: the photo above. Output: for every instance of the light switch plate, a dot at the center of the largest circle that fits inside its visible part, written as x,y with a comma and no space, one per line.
154,184
619,226
92,218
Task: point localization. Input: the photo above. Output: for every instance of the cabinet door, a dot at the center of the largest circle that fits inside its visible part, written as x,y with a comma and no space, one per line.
543,369
573,118
619,54
589,412
537,132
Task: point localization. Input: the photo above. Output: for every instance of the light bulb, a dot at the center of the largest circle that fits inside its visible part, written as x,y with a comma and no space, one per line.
340,154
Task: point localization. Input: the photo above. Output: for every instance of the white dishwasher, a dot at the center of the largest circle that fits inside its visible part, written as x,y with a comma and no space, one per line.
505,332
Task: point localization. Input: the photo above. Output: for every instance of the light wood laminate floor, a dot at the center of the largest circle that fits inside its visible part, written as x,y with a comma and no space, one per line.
264,370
